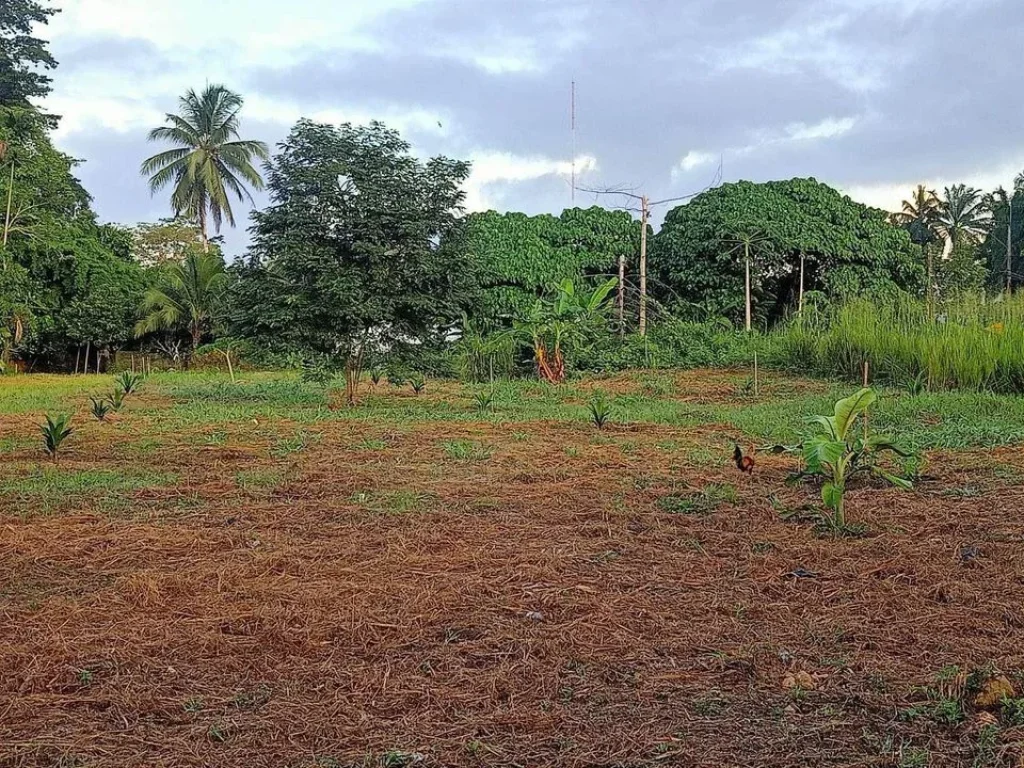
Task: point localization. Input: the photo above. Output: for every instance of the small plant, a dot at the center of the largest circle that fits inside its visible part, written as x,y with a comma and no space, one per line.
55,432
484,399
837,454
129,382
376,374
418,383
100,408
316,371
396,379
116,399
600,411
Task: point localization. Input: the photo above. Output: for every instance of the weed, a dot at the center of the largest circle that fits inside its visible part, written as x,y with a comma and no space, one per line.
194,706
466,450
913,757
100,409
371,444
701,502
600,411
297,443
55,431
217,732
85,677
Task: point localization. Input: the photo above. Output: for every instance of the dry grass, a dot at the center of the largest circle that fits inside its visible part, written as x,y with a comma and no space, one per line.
368,594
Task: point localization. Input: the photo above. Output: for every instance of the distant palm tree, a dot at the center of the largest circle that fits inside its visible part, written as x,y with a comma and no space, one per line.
185,297
209,161
964,216
920,217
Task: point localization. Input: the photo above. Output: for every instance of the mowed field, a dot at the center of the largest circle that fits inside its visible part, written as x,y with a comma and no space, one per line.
252,574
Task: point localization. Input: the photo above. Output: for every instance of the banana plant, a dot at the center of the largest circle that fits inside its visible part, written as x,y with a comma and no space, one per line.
837,454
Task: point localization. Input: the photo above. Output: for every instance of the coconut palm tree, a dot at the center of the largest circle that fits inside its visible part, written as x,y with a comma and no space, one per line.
209,162
920,217
185,298
963,215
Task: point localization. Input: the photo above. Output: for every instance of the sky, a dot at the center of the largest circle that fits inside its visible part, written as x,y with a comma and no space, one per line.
871,96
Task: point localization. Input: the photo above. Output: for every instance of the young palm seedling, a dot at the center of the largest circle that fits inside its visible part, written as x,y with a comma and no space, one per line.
837,453
396,379
600,411
418,383
100,408
376,374
116,398
484,399
55,432
128,382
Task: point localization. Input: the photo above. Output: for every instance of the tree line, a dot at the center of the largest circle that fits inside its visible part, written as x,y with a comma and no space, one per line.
364,246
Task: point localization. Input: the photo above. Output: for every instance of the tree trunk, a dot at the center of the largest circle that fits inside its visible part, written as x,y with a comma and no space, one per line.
645,214
7,219
930,296
202,227
353,373
746,248
88,347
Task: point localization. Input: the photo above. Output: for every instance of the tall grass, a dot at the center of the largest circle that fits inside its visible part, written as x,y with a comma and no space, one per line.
973,343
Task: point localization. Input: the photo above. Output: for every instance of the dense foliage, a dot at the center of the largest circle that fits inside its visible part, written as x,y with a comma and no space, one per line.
22,55
350,255
520,258
848,249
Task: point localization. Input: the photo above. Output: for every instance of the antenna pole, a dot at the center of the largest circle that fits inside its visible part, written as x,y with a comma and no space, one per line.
572,118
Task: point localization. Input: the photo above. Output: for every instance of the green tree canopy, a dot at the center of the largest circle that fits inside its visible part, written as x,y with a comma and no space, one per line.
848,249
23,55
521,258
81,285
351,252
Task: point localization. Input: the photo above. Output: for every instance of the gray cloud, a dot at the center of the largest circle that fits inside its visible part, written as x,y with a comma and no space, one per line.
854,92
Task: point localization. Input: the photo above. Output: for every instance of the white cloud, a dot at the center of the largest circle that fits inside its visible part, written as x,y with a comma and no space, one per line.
503,168
695,159
830,128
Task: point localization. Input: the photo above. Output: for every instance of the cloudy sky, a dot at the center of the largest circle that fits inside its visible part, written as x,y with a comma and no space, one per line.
872,96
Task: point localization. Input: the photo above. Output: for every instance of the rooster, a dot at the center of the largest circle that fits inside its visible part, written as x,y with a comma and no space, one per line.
743,463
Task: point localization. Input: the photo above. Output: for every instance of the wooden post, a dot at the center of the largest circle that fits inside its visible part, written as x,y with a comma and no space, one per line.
645,213
746,250
622,294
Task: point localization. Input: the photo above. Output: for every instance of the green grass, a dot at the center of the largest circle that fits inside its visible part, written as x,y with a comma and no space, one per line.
466,450
53,489
700,502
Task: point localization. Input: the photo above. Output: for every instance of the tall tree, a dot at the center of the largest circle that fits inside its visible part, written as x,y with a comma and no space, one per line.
1002,249
209,163
351,255
847,250
22,55
963,216
920,217
185,298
